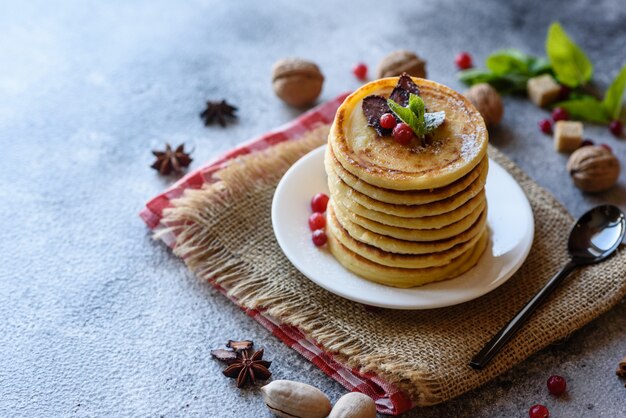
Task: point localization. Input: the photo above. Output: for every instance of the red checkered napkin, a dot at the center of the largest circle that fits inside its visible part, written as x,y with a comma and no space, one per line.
389,399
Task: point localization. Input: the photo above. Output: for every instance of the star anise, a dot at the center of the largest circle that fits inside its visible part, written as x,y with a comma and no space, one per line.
171,160
248,368
219,111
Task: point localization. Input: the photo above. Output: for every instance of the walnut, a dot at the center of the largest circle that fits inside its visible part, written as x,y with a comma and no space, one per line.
399,62
593,168
487,101
296,81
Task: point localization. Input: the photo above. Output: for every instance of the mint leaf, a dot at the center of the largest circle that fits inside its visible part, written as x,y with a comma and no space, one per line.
587,108
571,65
415,116
538,66
612,101
507,61
476,76
406,115
433,120
416,104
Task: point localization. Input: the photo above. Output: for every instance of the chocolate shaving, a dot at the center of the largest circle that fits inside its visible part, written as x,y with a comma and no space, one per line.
405,86
373,108
227,356
240,345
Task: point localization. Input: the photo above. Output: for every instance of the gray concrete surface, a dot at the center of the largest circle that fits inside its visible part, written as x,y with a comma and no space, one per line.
99,320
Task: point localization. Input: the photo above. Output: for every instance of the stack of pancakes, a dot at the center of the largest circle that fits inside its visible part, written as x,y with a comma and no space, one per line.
407,215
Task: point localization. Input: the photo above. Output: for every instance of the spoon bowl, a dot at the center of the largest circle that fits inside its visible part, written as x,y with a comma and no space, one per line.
597,234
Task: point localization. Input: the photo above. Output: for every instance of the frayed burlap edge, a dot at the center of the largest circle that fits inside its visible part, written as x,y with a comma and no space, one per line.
196,219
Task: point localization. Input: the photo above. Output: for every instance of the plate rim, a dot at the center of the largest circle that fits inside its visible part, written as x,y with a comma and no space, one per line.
492,285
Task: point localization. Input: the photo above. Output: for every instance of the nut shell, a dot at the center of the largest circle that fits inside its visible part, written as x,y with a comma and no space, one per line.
296,81
593,168
399,62
286,398
354,405
487,101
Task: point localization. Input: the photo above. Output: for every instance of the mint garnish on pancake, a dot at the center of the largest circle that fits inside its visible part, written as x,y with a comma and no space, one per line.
406,105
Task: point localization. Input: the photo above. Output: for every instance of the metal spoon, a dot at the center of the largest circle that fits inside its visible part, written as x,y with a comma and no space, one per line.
595,236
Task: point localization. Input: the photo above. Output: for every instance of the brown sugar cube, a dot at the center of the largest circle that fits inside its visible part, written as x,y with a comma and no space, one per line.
568,136
543,90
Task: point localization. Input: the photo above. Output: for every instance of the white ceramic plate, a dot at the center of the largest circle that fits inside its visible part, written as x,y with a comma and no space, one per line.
510,219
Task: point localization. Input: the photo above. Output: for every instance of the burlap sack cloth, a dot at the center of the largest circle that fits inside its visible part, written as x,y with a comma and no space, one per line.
225,234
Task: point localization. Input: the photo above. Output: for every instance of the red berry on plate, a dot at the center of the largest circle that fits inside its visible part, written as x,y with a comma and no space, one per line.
538,411
463,60
319,238
564,92
556,385
360,71
317,221
587,142
559,114
546,126
616,128
607,147
388,121
319,203
403,133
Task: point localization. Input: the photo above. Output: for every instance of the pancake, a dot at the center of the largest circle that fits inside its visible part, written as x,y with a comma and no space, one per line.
402,277
409,211
408,234
409,197
439,256
455,149
426,222
400,246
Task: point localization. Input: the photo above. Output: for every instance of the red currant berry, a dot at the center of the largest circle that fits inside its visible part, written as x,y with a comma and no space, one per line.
564,92
319,238
587,142
546,126
556,385
388,121
616,128
402,133
463,60
360,71
319,203
538,411
559,114
317,221
607,147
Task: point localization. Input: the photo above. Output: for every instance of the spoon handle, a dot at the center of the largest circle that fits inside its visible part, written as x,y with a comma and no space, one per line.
492,348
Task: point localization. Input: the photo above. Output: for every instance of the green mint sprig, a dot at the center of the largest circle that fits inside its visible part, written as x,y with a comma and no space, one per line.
415,115
507,71
590,109
569,62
